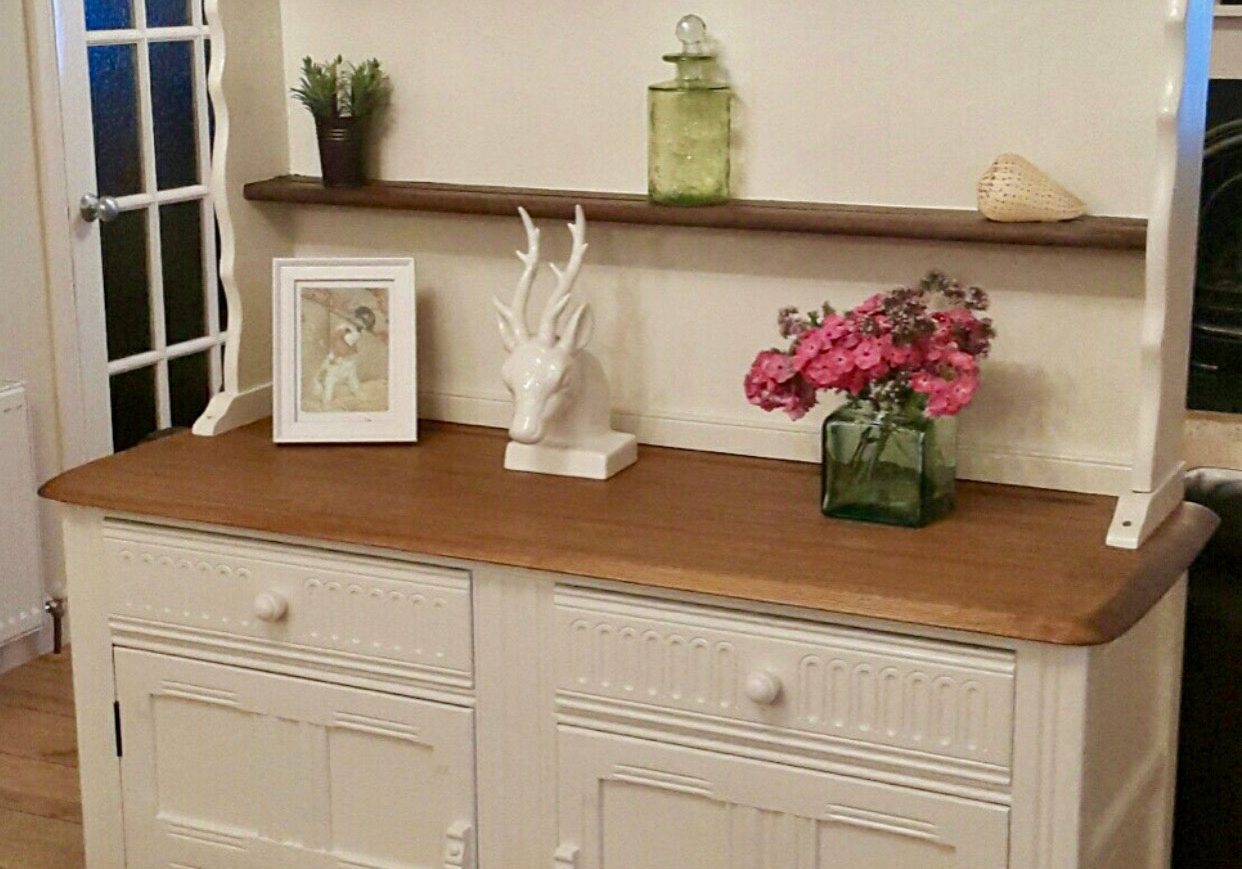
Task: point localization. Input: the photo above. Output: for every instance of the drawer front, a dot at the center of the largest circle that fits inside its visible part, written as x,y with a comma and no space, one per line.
842,689
384,617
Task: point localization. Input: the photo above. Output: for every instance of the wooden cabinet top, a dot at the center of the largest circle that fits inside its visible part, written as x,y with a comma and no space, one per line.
1013,562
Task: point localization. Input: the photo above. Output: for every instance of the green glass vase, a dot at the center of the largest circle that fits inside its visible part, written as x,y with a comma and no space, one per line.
689,126
897,467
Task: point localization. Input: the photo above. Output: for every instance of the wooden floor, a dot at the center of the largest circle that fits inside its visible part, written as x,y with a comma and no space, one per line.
40,811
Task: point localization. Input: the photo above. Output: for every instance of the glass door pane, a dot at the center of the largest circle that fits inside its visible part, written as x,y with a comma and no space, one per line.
109,15
172,105
168,13
189,385
127,291
115,109
134,413
181,243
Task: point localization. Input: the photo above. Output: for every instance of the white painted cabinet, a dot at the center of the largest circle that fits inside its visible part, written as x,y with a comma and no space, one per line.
638,804
228,768
283,706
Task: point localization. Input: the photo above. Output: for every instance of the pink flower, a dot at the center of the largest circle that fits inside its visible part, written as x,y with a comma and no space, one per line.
873,304
858,381
841,360
820,373
773,384
867,355
887,349
940,405
963,390
921,381
809,346
961,361
834,327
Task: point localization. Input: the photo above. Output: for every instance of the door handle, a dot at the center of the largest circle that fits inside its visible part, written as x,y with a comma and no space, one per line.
102,208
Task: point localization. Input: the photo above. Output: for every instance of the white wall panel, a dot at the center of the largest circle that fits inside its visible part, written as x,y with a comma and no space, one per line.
26,349
885,102
681,313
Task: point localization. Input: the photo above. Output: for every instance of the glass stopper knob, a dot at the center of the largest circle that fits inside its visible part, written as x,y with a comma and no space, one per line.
691,30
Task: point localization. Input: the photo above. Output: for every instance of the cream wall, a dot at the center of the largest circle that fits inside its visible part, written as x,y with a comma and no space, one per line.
680,314
882,103
25,320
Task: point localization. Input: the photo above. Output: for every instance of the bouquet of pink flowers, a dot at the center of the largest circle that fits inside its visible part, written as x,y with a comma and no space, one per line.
911,342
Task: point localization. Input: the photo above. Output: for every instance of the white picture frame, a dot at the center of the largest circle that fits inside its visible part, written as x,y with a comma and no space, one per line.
344,351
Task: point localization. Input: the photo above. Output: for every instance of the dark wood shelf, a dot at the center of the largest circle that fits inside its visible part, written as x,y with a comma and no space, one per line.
927,224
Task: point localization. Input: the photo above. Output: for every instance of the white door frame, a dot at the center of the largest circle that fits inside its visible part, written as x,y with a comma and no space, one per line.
77,445
85,259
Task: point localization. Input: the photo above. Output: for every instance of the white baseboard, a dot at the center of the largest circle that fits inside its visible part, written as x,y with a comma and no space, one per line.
982,462
230,410
1087,474
25,649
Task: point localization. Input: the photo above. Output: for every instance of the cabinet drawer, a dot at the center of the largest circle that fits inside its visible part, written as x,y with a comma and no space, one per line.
387,618
862,694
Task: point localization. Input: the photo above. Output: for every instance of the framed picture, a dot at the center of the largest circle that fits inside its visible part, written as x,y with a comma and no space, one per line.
343,367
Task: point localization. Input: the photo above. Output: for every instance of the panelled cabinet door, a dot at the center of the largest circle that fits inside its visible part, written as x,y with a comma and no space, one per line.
633,804
225,768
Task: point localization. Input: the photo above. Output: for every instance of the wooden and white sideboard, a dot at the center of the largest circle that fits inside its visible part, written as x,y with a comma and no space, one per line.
403,656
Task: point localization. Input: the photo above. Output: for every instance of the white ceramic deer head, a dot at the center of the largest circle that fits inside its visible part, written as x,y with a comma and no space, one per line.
561,403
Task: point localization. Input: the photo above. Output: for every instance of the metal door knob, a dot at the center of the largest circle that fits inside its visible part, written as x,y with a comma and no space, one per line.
102,208
763,688
270,606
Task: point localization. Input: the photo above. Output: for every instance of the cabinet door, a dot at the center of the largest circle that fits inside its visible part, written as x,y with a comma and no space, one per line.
225,768
633,804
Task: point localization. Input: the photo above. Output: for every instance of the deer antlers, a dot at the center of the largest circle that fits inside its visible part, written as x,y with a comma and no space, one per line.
513,326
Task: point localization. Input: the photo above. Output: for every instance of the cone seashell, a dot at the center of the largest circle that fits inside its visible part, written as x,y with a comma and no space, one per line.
1014,190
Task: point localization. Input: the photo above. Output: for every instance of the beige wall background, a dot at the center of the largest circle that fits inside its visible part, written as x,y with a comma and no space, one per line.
25,316
881,103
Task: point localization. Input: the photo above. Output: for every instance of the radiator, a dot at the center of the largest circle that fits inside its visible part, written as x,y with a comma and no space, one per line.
21,575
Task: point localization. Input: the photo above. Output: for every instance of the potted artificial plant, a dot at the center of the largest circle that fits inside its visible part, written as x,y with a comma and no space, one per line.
344,99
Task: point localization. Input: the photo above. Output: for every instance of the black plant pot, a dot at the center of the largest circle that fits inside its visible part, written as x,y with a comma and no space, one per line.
342,144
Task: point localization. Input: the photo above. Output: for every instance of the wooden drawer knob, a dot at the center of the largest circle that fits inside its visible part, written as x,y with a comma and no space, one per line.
270,606
763,688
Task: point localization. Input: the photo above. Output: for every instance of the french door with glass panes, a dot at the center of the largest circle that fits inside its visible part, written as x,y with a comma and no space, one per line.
138,122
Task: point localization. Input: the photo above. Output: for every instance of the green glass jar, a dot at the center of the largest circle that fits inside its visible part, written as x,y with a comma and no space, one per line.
689,122
896,467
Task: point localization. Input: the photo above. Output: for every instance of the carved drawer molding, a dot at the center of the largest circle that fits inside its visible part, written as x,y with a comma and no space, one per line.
383,618
868,695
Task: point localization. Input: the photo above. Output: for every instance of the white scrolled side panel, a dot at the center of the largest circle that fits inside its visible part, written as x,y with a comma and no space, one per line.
246,86
1172,240
21,574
